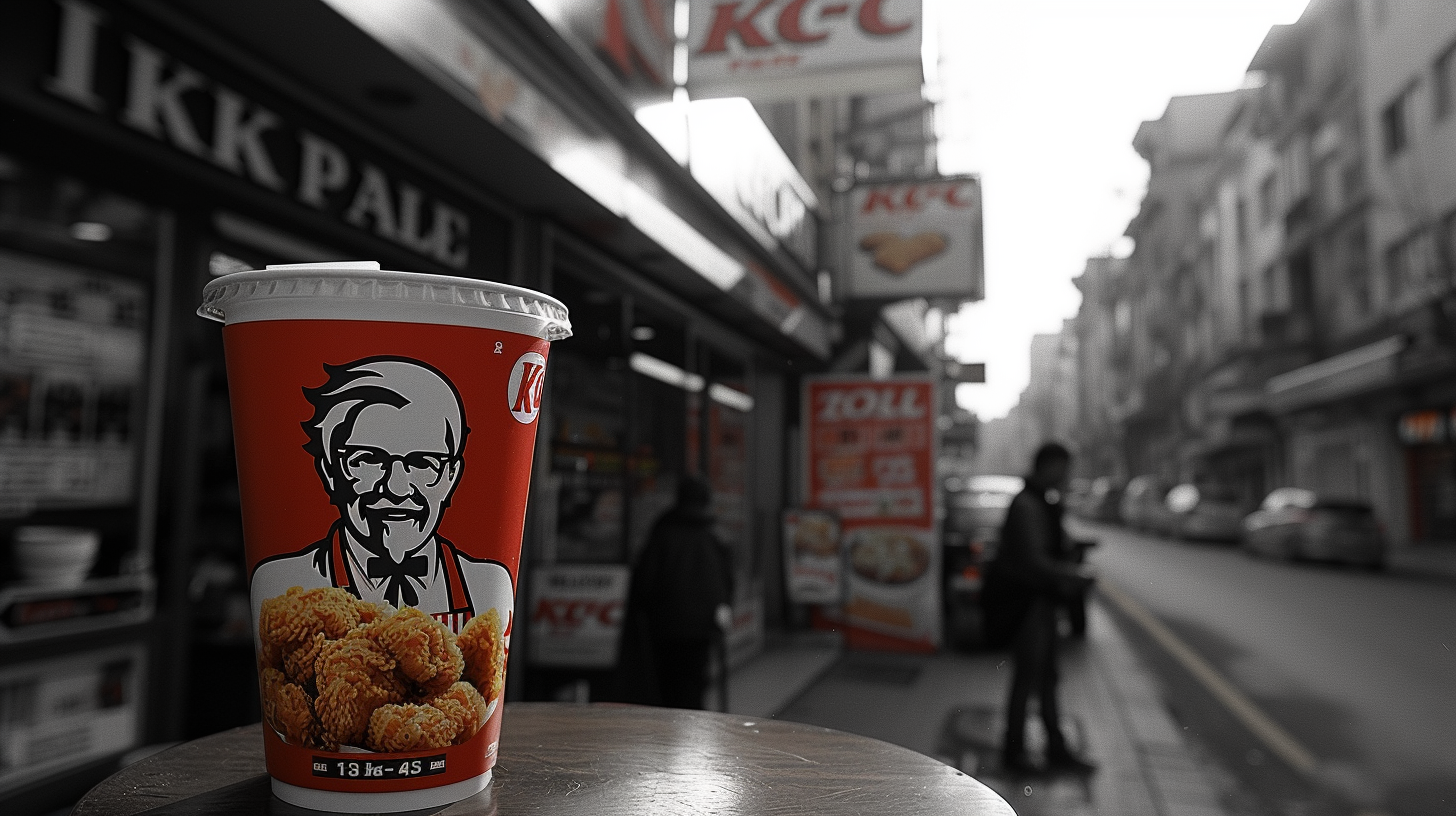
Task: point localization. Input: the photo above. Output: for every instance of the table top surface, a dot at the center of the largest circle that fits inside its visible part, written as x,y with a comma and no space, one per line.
558,758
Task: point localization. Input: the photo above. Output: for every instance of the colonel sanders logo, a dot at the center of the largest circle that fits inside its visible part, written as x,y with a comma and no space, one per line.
387,437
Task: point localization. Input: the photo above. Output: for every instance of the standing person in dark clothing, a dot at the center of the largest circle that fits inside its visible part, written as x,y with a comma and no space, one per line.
1031,577
678,605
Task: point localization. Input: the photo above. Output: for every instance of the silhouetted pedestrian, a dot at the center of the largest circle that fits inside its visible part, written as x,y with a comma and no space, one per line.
682,586
1030,578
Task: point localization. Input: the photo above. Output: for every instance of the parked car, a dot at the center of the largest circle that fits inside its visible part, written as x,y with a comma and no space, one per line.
1142,505
975,511
1204,512
1103,502
978,510
1079,494
1295,523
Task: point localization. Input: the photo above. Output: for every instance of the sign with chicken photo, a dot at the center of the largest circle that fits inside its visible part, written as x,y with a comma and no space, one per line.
916,239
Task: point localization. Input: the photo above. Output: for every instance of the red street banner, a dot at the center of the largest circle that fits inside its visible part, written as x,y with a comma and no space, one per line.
870,458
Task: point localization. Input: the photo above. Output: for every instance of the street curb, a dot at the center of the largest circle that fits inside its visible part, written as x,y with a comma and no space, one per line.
1174,776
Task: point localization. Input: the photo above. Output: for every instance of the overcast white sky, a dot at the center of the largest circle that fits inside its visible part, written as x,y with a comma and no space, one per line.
1042,98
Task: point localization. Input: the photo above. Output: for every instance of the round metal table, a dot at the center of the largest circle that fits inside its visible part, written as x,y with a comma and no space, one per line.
600,760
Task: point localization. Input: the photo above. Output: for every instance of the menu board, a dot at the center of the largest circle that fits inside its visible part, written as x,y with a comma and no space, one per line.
72,357
870,458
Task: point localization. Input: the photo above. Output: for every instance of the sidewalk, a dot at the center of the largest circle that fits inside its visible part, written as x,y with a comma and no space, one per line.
1426,560
949,706
788,666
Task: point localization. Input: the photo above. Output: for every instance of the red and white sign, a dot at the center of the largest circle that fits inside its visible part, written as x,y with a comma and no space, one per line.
789,49
812,559
576,614
918,238
632,38
870,458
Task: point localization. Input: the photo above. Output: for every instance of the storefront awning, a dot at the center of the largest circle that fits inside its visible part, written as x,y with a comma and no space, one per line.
1345,375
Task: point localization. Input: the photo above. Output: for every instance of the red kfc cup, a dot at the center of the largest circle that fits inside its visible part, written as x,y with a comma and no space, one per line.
384,424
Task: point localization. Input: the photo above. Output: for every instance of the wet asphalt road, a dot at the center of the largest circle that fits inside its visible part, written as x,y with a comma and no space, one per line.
1359,667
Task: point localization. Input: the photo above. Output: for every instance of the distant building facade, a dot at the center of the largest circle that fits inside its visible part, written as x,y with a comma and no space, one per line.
1288,316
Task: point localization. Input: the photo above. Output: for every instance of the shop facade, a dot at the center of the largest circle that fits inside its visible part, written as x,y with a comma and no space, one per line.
148,147
1375,424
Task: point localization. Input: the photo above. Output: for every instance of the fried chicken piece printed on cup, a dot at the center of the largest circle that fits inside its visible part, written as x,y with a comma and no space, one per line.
423,647
464,706
410,727
288,710
356,675
299,664
291,621
482,642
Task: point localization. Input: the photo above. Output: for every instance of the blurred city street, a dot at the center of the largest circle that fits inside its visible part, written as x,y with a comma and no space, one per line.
950,706
1357,667
1354,666
834,361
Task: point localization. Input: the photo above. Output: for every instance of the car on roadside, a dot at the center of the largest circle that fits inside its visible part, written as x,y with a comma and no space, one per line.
1142,506
975,510
978,509
1104,498
1204,512
1079,493
1298,524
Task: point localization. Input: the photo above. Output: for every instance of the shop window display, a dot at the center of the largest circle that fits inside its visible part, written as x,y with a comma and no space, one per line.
76,267
728,412
588,377
74,316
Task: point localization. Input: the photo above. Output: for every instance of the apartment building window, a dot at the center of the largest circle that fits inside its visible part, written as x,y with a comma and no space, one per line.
1411,265
1352,179
1446,82
1268,192
1447,245
1380,12
1275,299
1395,123
1355,264
1246,310
1332,191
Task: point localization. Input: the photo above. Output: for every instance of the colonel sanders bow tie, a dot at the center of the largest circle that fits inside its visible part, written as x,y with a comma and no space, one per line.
415,566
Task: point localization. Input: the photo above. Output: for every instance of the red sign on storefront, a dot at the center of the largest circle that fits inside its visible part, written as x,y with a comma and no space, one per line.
870,449
869,458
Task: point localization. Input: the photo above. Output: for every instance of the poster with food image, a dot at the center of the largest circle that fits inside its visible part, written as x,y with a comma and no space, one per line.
869,459
891,589
811,553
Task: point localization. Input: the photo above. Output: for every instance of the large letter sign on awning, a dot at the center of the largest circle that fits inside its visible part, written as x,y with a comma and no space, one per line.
916,239
789,49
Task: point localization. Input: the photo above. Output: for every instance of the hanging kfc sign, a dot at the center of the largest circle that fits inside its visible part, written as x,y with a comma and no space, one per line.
790,49
633,38
916,239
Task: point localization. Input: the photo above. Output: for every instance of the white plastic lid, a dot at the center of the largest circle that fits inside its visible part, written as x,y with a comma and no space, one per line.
360,290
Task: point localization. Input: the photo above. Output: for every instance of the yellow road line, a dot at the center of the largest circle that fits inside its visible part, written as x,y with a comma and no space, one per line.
1279,742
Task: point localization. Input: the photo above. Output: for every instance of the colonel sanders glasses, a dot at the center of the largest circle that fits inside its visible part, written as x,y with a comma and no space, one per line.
372,464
